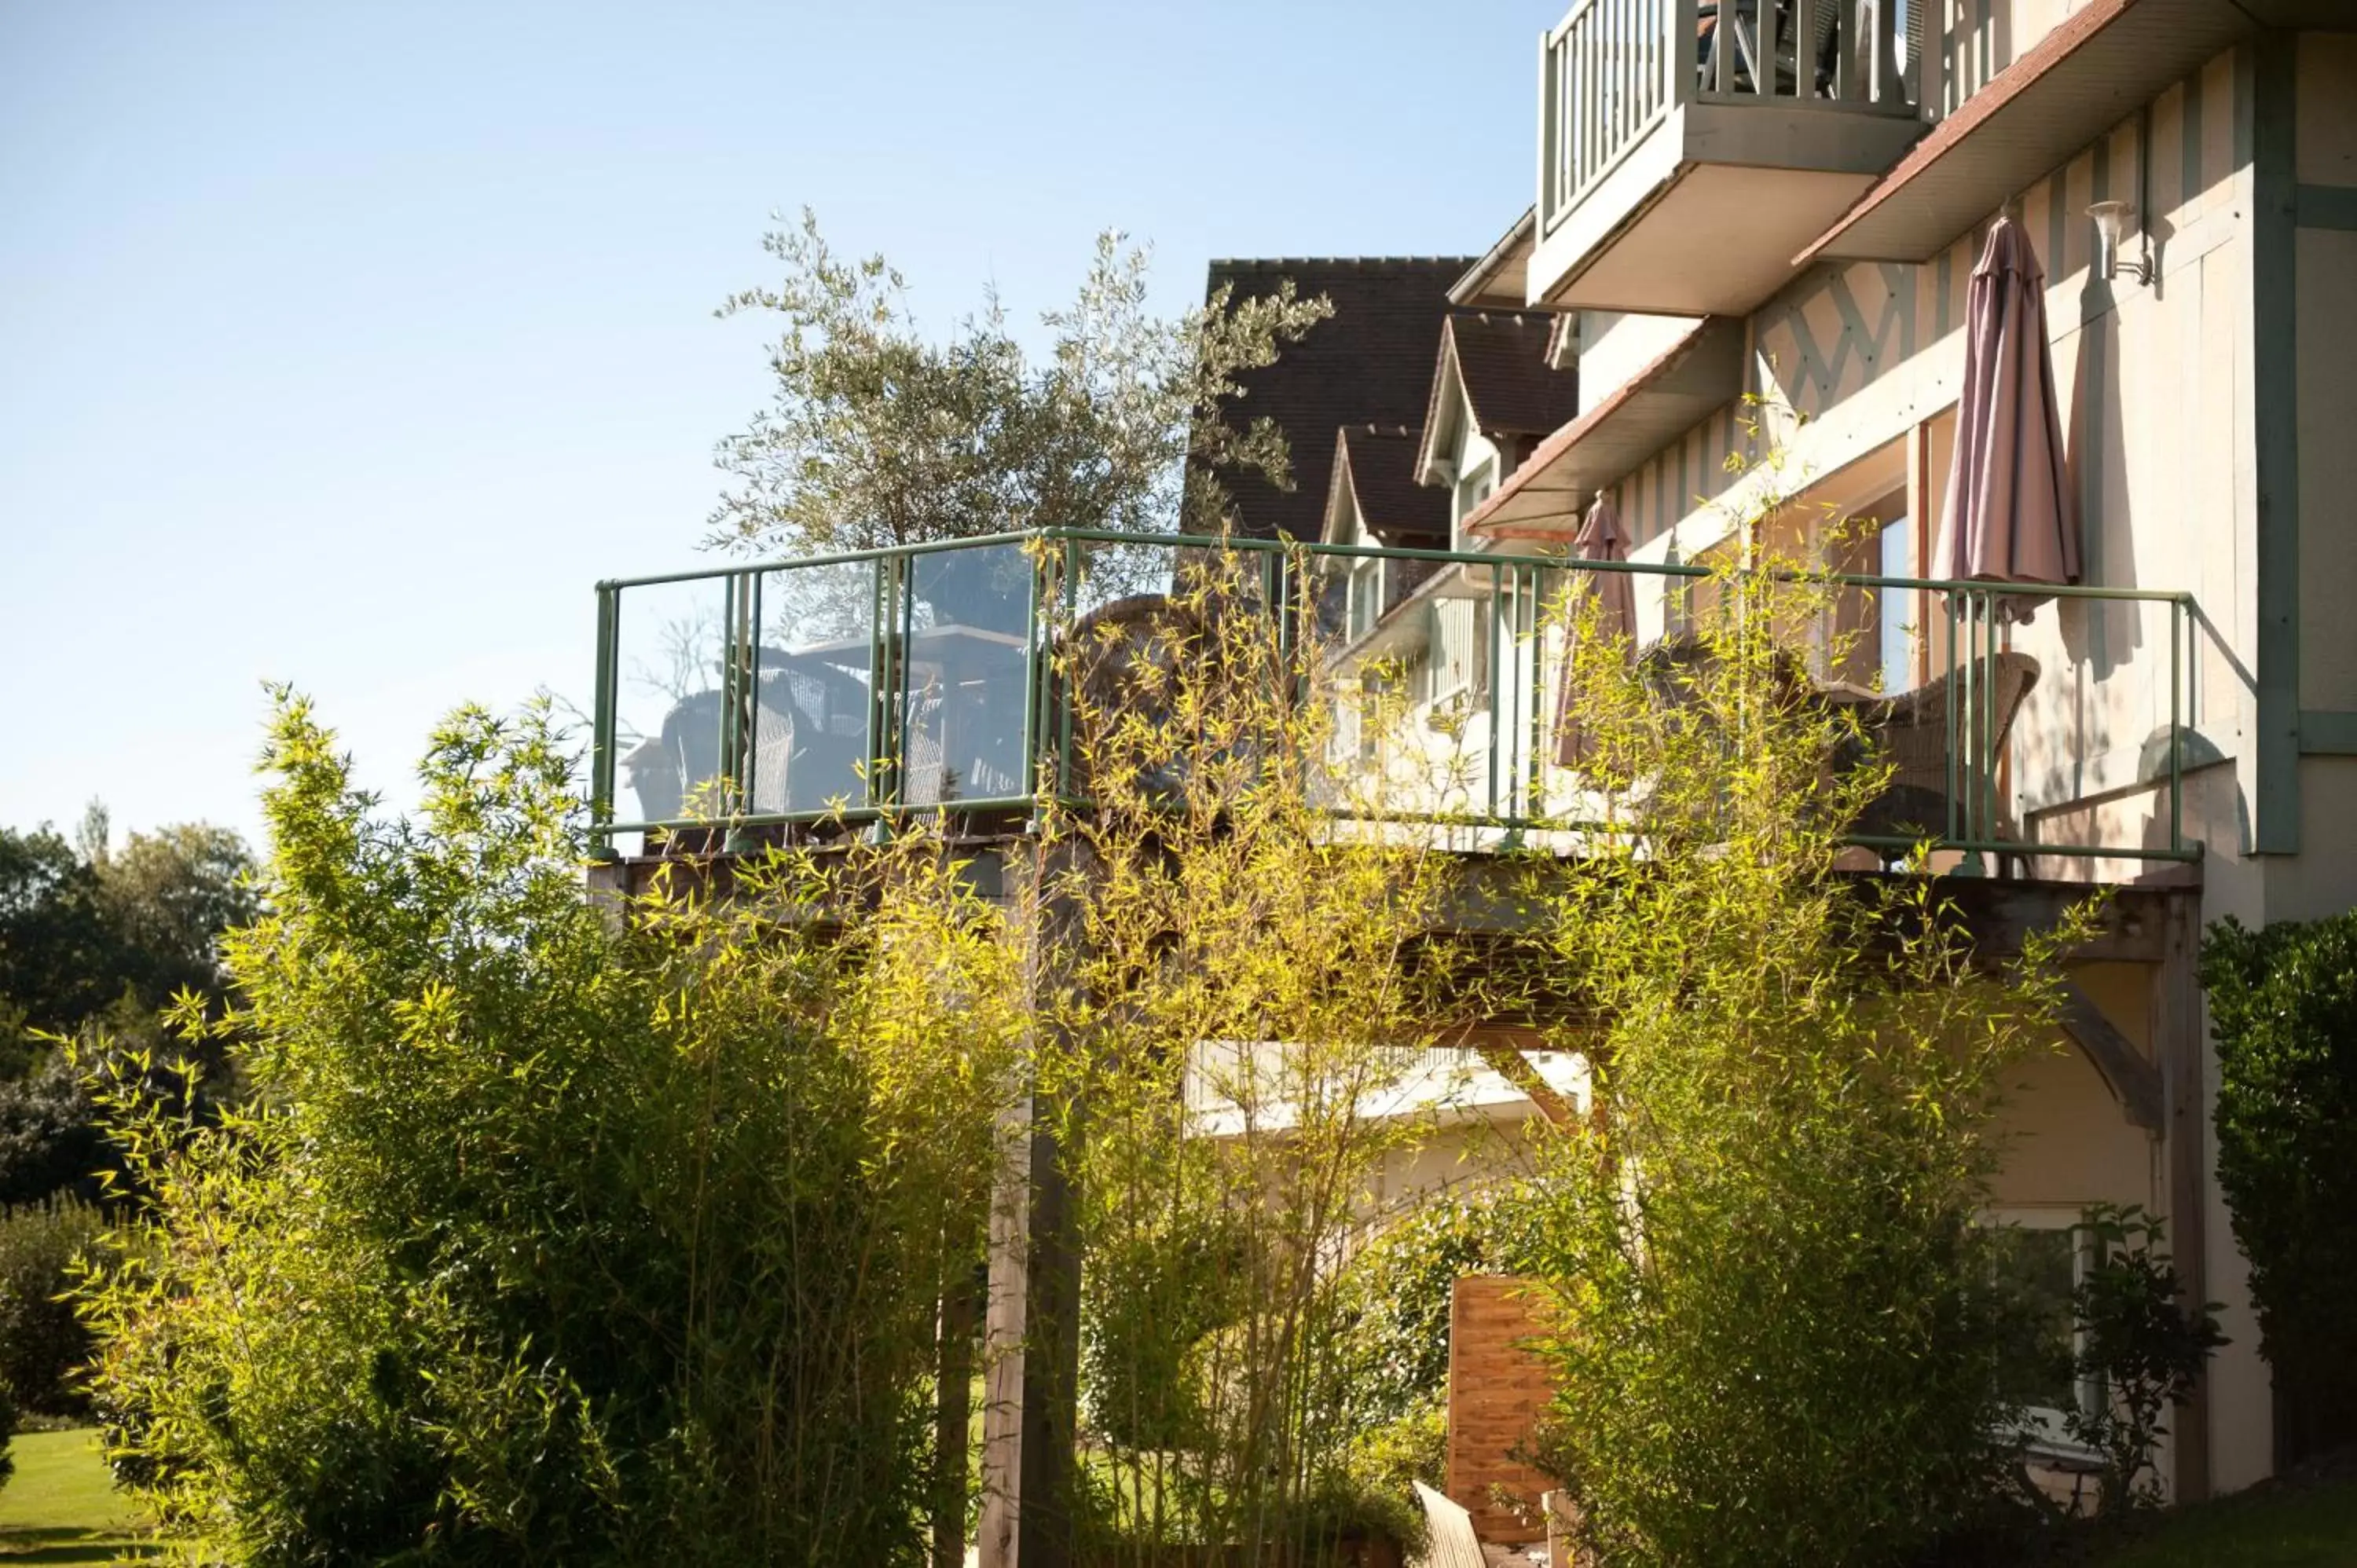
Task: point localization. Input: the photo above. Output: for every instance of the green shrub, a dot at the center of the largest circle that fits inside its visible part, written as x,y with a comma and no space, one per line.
547,1238
2283,1008
7,1431
1776,1324
2141,1344
43,1344
1397,1294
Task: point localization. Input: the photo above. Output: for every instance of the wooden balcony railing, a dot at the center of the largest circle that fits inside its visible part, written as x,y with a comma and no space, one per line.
1614,70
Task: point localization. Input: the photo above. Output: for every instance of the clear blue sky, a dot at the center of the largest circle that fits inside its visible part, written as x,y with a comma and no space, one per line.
349,344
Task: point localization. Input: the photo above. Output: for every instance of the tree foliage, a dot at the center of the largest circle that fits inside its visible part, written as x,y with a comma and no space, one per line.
879,433
43,1344
551,1236
2283,1008
59,951
96,940
1243,991
1774,1331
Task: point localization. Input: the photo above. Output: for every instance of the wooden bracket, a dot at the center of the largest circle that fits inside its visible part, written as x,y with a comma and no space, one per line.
2131,1076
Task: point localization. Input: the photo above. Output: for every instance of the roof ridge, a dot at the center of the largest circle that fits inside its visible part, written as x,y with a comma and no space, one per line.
1234,263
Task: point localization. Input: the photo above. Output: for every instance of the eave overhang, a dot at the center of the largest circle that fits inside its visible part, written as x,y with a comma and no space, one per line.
2087,75
1498,281
1543,499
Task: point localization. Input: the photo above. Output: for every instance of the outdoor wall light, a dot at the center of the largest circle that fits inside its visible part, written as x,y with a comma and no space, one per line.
2111,218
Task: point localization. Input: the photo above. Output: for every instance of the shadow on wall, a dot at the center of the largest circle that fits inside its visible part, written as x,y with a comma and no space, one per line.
2205,779
2102,636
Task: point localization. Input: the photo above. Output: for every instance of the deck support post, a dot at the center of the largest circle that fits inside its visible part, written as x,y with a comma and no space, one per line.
2185,1128
1032,1315
952,1411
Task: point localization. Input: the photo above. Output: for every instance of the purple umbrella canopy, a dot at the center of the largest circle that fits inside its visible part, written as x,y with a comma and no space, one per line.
1601,537
2007,516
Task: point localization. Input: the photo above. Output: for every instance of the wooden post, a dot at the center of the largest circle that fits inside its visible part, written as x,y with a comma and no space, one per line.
2178,1047
1032,1316
952,1411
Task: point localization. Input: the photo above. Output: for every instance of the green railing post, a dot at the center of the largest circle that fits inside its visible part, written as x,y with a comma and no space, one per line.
2178,677
879,677
744,665
601,725
1976,742
1498,684
1072,595
1949,715
1034,653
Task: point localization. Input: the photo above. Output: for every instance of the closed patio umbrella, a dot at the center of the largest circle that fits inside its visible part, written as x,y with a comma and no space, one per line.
2007,516
1601,537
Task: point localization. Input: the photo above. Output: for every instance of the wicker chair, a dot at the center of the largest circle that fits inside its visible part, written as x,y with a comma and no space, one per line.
1911,731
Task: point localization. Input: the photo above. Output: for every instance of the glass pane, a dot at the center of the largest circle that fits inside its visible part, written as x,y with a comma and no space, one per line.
1899,606
966,664
816,717
667,707
2035,1273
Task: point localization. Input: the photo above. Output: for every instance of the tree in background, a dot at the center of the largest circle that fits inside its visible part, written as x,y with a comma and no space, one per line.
101,940
169,897
878,435
62,955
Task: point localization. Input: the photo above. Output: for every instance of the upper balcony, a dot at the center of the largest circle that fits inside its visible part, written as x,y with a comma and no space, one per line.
1688,149
752,701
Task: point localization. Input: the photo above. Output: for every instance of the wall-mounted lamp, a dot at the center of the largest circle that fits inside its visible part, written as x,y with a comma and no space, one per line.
2111,218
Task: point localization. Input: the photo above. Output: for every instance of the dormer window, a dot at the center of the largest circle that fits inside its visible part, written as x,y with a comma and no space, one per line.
1366,594
1473,490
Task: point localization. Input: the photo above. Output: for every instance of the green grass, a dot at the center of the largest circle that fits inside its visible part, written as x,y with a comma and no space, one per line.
2310,1526
61,1506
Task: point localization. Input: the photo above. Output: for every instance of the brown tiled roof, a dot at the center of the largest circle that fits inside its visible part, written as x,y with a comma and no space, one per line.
1371,363
1379,462
1503,359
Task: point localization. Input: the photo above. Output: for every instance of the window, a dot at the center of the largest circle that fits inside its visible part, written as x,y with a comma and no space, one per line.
2039,1257
1366,594
1474,488
1369,714
1900,609
1461,650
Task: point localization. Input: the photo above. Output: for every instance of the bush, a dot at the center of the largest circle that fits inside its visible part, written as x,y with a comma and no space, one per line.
547,1240
2283,1008
7,1432
2142,1344
1776,1324
43,1344
48,1141
1396,1294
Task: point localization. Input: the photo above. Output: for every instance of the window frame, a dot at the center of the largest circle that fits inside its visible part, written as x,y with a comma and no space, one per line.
2050,1436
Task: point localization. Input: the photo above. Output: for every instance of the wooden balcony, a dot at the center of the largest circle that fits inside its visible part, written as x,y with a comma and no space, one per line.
1688,149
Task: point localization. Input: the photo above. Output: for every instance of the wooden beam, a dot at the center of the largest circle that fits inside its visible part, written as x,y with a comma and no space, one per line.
1504,1047
1496,897
952,1411
2134,1080
1032,1318
2177,1043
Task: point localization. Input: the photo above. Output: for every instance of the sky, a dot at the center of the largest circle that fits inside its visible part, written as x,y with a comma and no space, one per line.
348,345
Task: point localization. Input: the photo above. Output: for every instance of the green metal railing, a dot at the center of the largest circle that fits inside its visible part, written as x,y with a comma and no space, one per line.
862,686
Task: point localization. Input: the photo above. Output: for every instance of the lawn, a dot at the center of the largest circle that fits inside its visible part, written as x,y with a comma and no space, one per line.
2300,1526
60,1506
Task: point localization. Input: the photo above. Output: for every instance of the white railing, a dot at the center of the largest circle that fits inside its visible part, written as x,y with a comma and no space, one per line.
1613,69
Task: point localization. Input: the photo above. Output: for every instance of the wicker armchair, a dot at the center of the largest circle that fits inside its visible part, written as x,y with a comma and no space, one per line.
1911,733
